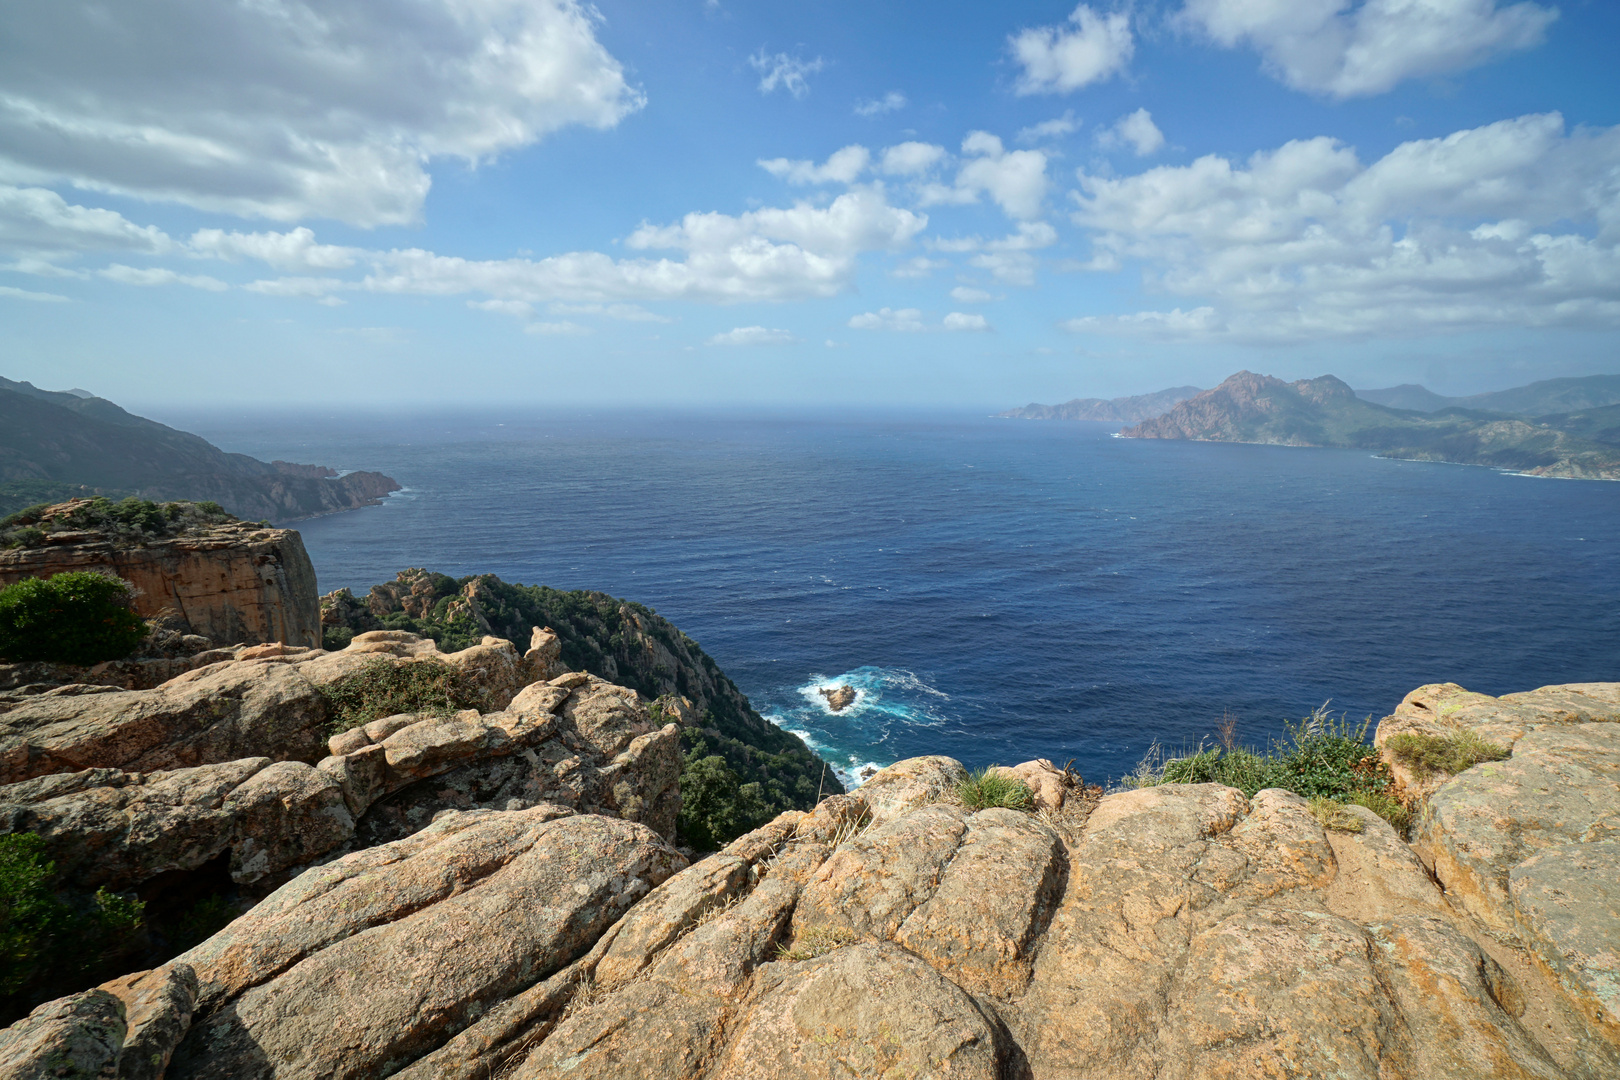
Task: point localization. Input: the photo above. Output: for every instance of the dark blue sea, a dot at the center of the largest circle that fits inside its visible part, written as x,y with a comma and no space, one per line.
997,590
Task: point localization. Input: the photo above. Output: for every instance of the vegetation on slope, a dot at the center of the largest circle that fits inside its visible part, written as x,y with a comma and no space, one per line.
1319,758
740,769
131,522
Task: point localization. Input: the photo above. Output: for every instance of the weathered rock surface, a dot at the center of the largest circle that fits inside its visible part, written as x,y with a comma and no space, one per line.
839,698
127,1028
1173,933
232,583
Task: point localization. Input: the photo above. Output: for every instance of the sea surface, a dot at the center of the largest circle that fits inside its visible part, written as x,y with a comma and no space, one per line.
996,590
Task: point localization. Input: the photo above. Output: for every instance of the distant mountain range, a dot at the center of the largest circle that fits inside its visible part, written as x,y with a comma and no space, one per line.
1537,399
59,444
1250,408
1124,410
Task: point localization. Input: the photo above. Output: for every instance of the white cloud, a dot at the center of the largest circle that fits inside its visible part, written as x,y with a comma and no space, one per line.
129,275
1334,48
905,319
893,101
910,321
919,266
1015,180
1055,128
956,322
1169,325
841,167
1515,223
753,335
1136,130
784,71
620,312
964,294
288,109
37,297
1056,60
520,309
556,329
39,222
294,250
911,158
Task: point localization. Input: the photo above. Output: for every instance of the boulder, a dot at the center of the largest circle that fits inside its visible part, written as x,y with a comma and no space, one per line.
909,784
839,698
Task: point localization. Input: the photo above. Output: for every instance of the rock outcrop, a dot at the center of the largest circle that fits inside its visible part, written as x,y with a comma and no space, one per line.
235,758
232,583
1171,932
839,698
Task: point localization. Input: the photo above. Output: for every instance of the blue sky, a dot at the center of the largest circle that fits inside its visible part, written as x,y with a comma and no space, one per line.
693,202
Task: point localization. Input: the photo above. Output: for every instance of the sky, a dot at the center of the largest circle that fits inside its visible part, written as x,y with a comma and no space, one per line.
735,202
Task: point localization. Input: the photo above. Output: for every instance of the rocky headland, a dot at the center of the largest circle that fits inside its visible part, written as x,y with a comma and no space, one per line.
1124,410
1325,411
54,445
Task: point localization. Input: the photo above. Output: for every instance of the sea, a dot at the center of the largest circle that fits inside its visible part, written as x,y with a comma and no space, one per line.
995,590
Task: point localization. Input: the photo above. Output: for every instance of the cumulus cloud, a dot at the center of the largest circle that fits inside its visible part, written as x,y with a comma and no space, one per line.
40,223
893,101
520,309
292,109
556,329
129,275
1058,59
966,294
1334,48
1136,130
905,319
841,167
910,321
753,335
1055,128
784,72
293,250
1514,223
911,158
1015,180
10,293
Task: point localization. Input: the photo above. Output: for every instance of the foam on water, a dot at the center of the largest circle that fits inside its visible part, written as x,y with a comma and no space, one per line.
891,705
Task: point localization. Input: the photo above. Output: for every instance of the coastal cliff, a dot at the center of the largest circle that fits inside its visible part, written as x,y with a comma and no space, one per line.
1325,411
56,445
209,575
1125,410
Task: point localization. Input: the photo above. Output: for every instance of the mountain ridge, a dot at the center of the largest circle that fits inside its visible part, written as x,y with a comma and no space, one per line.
54,445
1122,410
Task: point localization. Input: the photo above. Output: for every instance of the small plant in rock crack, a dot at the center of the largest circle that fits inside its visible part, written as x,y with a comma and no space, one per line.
985,788
383,687
816,941
1453,753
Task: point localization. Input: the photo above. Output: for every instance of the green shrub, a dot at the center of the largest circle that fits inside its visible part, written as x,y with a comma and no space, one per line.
716,806
78,617
1320,758
50,944
383,687
130,521
983,789
1426,755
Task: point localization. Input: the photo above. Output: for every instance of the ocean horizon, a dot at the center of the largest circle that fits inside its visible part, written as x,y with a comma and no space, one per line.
995,590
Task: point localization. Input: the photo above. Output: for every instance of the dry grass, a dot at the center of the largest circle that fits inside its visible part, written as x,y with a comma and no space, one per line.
1427,754
816,941
1331,814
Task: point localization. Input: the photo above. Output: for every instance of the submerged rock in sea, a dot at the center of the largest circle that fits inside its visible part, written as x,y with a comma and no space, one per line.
838,698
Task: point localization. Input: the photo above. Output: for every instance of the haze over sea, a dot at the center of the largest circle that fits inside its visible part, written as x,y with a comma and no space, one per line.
998,590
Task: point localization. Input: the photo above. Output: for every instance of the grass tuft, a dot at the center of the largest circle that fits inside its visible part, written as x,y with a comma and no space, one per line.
1427,755
817,941
1331,814
984,789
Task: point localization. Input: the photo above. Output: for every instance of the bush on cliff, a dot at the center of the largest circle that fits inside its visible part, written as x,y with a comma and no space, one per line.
78,617
51,942
130,521
384,688
1319,758
984,789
